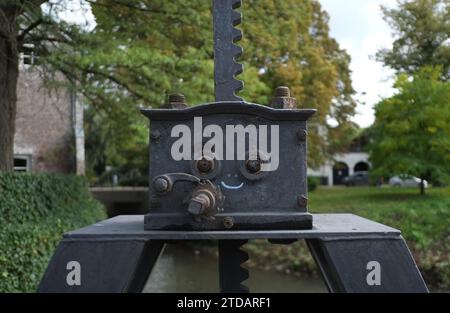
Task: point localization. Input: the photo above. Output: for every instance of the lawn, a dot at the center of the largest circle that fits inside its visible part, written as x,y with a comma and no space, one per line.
423,220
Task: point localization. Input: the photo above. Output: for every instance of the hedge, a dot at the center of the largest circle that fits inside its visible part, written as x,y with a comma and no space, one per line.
35,210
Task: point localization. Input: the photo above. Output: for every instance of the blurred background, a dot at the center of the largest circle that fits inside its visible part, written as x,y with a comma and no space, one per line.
74,147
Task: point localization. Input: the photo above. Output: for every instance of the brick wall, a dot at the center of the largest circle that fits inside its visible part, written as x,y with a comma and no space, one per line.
44,125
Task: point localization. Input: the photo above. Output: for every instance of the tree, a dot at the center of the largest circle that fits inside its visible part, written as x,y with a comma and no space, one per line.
290,40
422,31
17,19
411,134
140,51
285,43
24,23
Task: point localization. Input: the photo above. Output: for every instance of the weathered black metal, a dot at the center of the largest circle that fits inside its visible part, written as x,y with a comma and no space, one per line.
117,255
225,51
266,208
231,272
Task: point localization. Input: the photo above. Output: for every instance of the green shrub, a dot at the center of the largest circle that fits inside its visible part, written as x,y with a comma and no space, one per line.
35,210
313,183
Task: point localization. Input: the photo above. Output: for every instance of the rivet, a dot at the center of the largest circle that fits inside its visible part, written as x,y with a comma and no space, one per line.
302,135
161,185
302,201
155,135
228,222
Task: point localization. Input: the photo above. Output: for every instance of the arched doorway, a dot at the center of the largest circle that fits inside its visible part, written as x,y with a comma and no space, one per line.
340,171
362,167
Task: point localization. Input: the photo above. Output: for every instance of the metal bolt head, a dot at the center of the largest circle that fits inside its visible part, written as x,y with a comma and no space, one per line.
161,185
302,135
282,92
283,99
253,166
155,135
177,101
228,222
199,204
302,201
205,165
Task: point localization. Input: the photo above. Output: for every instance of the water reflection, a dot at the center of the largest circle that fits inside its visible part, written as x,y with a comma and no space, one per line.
182,269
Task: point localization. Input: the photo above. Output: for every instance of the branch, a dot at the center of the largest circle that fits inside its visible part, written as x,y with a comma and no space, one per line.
128,5
30,27
36,3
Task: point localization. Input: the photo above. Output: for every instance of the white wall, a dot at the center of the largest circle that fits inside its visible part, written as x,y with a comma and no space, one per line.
351,159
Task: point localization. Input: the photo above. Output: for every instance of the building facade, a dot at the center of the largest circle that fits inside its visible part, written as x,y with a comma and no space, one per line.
343,165
49,126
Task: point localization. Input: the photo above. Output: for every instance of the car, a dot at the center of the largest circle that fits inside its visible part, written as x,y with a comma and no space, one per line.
357,179
406,181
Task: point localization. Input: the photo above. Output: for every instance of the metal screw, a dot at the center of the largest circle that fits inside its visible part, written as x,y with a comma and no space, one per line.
161,185
282,92
302,201
228,222
155,135
302,135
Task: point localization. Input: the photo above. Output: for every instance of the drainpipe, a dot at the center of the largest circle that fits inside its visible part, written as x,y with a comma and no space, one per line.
78,130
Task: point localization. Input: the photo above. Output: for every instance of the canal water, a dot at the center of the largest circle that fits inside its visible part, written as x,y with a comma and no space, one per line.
184,269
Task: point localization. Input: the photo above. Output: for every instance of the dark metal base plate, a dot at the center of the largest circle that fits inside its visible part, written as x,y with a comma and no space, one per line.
325,225
117,255
230,222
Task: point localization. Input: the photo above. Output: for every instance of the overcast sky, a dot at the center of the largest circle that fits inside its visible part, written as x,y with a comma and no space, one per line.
358,27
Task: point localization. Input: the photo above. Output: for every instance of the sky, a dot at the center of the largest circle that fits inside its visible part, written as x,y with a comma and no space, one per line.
359,28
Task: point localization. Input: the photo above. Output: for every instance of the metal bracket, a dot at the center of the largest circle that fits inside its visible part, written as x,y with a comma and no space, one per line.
117,255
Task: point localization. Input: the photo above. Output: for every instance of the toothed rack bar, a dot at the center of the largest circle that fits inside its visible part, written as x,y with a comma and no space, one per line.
226,52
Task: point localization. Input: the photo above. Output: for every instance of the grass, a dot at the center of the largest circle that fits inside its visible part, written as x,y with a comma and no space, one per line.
423,220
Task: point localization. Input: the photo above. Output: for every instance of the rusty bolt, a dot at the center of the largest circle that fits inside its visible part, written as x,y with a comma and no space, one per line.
302,135
283,99
253,166
161,185
155,135
177,101
302,201
205,165
199,204
282,92
228,222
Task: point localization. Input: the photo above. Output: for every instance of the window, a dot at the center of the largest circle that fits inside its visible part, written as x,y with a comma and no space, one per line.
22,163
28,55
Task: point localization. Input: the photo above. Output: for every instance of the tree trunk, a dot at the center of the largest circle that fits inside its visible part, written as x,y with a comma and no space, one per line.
9,72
